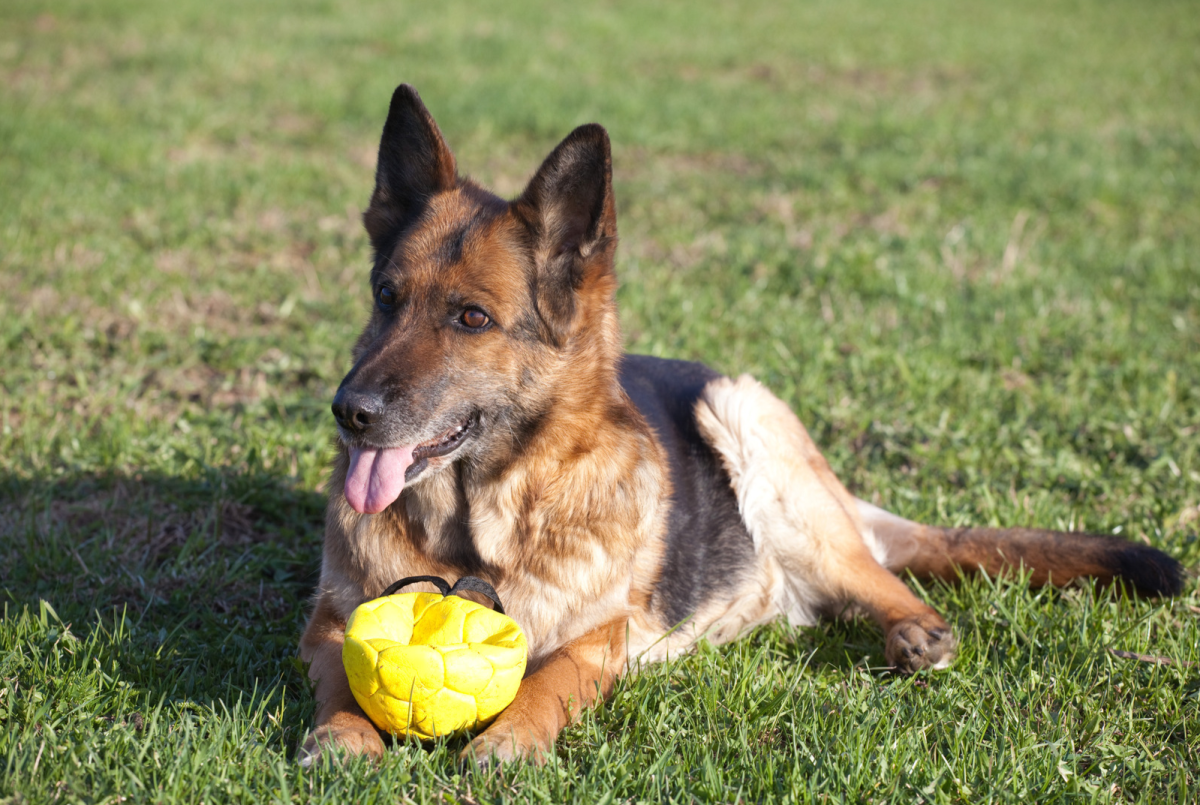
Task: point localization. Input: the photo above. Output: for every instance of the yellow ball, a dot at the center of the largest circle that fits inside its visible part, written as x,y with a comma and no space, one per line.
427,665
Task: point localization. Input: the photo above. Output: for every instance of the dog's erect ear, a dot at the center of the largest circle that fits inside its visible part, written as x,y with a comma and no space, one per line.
414,164
569,209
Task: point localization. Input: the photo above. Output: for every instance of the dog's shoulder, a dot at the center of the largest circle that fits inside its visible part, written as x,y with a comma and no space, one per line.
707,546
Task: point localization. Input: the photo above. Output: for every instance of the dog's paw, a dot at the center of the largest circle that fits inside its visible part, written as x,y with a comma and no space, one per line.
327,741
920,642
500,745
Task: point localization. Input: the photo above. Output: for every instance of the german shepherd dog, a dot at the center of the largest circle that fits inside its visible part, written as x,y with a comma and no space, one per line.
623,506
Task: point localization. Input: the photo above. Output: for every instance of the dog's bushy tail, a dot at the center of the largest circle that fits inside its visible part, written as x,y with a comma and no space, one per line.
1050,557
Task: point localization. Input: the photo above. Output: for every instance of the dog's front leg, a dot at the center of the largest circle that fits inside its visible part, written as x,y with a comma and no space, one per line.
340,722
571,679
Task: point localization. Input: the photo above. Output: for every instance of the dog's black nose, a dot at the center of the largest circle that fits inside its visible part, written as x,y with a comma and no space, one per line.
356,411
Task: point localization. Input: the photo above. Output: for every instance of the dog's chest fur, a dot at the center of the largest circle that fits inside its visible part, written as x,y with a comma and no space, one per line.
642,524
570,541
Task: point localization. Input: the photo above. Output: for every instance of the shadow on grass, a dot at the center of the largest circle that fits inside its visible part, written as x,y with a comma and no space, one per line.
200,585
840,645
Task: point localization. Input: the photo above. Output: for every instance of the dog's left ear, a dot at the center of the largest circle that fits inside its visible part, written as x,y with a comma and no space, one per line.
569,210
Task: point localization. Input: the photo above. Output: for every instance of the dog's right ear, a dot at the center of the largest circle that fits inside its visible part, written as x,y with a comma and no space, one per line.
414,164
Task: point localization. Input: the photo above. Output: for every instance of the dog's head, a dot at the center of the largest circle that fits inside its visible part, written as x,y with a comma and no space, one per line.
486,312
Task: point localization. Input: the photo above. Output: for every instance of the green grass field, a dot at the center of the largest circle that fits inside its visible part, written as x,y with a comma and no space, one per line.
961,238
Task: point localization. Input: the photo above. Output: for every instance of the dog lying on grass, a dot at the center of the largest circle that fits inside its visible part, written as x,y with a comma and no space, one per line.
623,506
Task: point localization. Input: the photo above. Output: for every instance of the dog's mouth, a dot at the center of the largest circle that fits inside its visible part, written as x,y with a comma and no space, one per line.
377,476
442,445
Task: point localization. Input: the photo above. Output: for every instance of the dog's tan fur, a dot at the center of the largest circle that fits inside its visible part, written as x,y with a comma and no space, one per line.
562,496
817,551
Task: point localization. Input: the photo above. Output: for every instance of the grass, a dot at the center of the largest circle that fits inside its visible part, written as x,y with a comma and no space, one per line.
962,239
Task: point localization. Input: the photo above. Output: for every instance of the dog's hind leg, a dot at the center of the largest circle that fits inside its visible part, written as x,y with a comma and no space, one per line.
1050,557
802,519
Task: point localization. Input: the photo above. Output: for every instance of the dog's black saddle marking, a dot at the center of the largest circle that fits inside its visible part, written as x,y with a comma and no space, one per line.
708,547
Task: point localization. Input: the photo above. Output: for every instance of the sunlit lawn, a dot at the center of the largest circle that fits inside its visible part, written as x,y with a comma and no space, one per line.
962,239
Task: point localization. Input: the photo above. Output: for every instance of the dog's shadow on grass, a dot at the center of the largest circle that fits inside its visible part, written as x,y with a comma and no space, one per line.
834,644
200,583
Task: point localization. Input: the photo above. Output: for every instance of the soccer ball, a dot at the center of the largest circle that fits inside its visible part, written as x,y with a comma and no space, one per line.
430,665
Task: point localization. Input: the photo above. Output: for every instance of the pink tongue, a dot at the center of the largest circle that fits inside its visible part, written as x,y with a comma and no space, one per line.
376,477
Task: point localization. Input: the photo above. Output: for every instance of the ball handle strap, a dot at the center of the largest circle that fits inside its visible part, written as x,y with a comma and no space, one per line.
468,583
436,581
478,585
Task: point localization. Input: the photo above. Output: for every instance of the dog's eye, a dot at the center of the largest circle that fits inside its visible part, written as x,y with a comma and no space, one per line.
385,297
474,319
